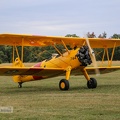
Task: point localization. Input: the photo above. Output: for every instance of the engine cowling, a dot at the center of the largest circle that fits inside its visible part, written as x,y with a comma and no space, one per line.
84,56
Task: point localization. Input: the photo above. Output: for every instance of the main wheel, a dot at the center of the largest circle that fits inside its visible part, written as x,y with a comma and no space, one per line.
64,84
92,83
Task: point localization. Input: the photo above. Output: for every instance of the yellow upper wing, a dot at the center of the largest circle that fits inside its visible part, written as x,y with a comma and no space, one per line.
34,40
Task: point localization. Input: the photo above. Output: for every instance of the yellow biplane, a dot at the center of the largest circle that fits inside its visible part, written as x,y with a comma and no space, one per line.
72,61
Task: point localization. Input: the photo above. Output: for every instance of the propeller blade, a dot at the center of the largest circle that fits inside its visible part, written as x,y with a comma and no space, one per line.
93,58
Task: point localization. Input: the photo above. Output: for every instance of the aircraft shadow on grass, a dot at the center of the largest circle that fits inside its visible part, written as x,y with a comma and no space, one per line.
51,90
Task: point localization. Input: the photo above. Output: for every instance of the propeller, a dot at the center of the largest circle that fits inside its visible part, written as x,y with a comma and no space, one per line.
92,55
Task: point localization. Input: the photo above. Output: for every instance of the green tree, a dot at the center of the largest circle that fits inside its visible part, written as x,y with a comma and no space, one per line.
91,35
116,36
103,35
117,50
71,35
8,54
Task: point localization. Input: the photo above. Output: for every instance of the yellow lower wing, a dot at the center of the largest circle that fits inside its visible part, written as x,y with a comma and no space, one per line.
11,71
91,70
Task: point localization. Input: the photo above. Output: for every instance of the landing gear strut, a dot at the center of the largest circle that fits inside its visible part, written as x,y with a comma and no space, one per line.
19,84
92,83
64,83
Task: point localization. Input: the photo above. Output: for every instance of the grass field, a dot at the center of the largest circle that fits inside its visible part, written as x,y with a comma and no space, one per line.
42,100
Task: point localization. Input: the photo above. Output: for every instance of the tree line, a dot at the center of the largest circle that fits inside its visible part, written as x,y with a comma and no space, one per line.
36,54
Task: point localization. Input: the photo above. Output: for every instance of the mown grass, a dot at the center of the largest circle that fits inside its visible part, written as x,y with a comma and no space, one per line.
42,100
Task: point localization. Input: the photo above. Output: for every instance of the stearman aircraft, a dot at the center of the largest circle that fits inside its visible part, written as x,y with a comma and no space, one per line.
72,61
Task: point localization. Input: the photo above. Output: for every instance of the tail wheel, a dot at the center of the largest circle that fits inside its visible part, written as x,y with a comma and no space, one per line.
64,84
20,85
92,83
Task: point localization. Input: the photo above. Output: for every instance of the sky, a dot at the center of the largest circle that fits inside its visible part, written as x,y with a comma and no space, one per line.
60,17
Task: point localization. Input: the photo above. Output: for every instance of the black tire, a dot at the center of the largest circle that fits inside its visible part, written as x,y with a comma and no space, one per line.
20,85
64,84
92,83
